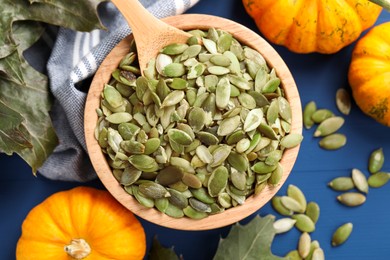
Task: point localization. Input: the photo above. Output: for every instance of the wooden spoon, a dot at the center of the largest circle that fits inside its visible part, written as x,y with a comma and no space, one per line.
150,33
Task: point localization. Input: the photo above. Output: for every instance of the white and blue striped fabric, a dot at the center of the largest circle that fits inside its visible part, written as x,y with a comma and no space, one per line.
74,59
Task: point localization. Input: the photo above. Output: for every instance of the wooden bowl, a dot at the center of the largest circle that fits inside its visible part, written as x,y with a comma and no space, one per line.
229,216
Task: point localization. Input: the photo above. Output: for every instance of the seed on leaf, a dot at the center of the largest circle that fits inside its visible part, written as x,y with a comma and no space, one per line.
283,225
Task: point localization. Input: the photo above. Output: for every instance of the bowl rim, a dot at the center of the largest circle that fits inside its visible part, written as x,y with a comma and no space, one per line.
253,203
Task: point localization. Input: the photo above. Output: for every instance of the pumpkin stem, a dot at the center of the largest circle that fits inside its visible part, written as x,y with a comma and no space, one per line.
78,248
384,3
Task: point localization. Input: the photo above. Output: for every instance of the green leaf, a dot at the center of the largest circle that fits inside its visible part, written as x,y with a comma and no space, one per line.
250,242
11,136
158,252
25,101
31,101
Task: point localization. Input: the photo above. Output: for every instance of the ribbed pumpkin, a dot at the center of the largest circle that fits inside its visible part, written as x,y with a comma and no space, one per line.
305,26
369,73
82,223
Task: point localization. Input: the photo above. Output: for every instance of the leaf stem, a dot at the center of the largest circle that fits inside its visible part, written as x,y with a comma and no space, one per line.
384,3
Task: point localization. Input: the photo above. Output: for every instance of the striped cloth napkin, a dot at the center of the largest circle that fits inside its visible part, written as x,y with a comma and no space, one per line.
73,61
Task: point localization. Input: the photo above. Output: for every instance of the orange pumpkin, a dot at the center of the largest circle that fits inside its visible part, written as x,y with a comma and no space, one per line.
82,223
369,73
305,26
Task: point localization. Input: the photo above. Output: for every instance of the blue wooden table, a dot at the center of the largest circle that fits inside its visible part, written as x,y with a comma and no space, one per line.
318,77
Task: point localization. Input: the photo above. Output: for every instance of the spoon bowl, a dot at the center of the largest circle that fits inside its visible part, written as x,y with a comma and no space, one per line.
150,33
229,216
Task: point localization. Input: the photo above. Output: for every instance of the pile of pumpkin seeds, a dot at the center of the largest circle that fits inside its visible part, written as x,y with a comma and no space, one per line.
328,125
360,182
203,128
303,216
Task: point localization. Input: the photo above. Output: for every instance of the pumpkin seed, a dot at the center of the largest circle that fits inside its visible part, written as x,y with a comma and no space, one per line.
253,119
238,161
360,180
263,168
313,211
279,207
202,195
220,154
191,181
378,179
210,45
318,254
351,199
308,112
273,157
292,204
179,136
173,211
291,140
193,213
172,98
228,125
333,141
320,115
313,246
161,204
304,244
149,203
276,175
207,138
153,190
169,175
112,96
143,163
341,234
376,160
343,101
183,164
304,223
284,225
329,126
239,82
225,200
284,109
222,93
220,60
162,60
174,48
341,184
238,179
224,42
129,176
177,199
218,181
118,118
295,193
199,206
